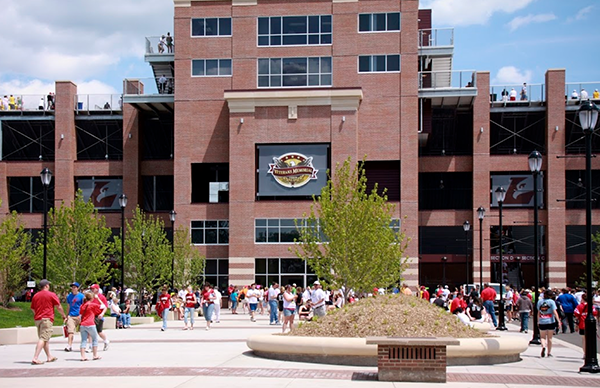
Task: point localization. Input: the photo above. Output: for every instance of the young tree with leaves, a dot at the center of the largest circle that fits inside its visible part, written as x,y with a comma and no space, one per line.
595,263
14,254
78,245
347,239
189,263
147,253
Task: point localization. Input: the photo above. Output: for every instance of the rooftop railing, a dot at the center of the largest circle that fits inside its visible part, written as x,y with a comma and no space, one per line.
146,86
436,37
28,102
98,102
532,93
578,90
158,45
453,79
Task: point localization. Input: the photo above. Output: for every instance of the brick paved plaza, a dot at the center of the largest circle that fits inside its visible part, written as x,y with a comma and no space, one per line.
143,356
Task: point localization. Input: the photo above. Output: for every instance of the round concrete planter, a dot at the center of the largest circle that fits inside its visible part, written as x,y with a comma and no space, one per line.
355,351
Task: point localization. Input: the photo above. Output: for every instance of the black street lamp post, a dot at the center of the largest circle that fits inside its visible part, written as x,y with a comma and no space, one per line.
480,215
172,215
466,228
535,165
444,260
46,176
122,203
500,195
588,116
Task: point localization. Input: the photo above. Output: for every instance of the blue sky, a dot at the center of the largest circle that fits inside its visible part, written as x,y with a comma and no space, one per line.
97,44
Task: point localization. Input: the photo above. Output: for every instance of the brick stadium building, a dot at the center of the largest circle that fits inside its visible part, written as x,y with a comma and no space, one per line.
255,89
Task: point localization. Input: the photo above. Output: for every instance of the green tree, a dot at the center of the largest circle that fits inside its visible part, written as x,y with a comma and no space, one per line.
595,263
147,252
78,245
189,263
14,256
347,239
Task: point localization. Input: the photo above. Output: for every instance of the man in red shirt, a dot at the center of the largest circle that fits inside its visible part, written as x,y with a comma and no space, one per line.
488,296
42,305
457,302
424,293
100,299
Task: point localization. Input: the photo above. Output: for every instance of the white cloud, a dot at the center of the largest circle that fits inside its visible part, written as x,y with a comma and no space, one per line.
470,12
77,40
521,21
510,75
581,14
39,87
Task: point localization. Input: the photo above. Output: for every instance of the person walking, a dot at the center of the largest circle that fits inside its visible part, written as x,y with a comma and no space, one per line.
217,313
89,310
43,304
233,299
289,308
318,300
569,304
524,306
74,301
252,296
208,304
100,300
272,299
190,309
547,321
163,305
488,295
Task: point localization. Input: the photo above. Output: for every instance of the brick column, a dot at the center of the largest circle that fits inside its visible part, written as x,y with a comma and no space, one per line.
409,137
554,168
3,190
65,138
481,175
131,154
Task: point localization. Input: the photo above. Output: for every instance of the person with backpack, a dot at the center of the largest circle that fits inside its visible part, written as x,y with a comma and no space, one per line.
547,320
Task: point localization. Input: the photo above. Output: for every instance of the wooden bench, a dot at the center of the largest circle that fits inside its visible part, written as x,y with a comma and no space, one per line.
411,359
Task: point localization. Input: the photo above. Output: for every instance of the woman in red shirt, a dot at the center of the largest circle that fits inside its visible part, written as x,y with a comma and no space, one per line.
208,304
162,307
581,313
190,309
90,310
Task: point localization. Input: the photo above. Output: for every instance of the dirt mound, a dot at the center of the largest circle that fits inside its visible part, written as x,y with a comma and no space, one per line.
389,316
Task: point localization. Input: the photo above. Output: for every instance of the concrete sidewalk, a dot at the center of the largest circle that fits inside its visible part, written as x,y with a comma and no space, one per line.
143,356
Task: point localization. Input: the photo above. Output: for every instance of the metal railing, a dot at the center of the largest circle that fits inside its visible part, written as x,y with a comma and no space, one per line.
452,79
27,102
578,88
533,93
154,46
160,85
436,37
98,102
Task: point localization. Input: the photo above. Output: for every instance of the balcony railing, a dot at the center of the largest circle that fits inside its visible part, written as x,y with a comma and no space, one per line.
578,88
29,102
146,86
154,46
501,93
436,37
453,79
98,102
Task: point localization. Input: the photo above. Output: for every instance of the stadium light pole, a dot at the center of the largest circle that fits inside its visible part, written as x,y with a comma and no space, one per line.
46,177
500,195
535,166
466,228
588,117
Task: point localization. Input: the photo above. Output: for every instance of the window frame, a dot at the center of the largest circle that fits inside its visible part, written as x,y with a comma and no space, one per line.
372,56
269,75
218,228
372,14
269,35
218,28
218,67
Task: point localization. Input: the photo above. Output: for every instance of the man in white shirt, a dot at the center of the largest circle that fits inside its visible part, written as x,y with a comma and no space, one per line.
306,294
162,84
252,296
317,299
578,295
217,311
584,94
272,298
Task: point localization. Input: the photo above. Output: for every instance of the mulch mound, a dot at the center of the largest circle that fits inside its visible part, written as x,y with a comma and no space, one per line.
389,316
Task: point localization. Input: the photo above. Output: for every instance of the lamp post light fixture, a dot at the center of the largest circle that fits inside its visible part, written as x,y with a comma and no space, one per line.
500,195
480,215
172,215
444,260
466,228
46,177
122,204
588,117
535,166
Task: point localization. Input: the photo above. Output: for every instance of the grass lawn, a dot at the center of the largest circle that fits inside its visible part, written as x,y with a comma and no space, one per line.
20,314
